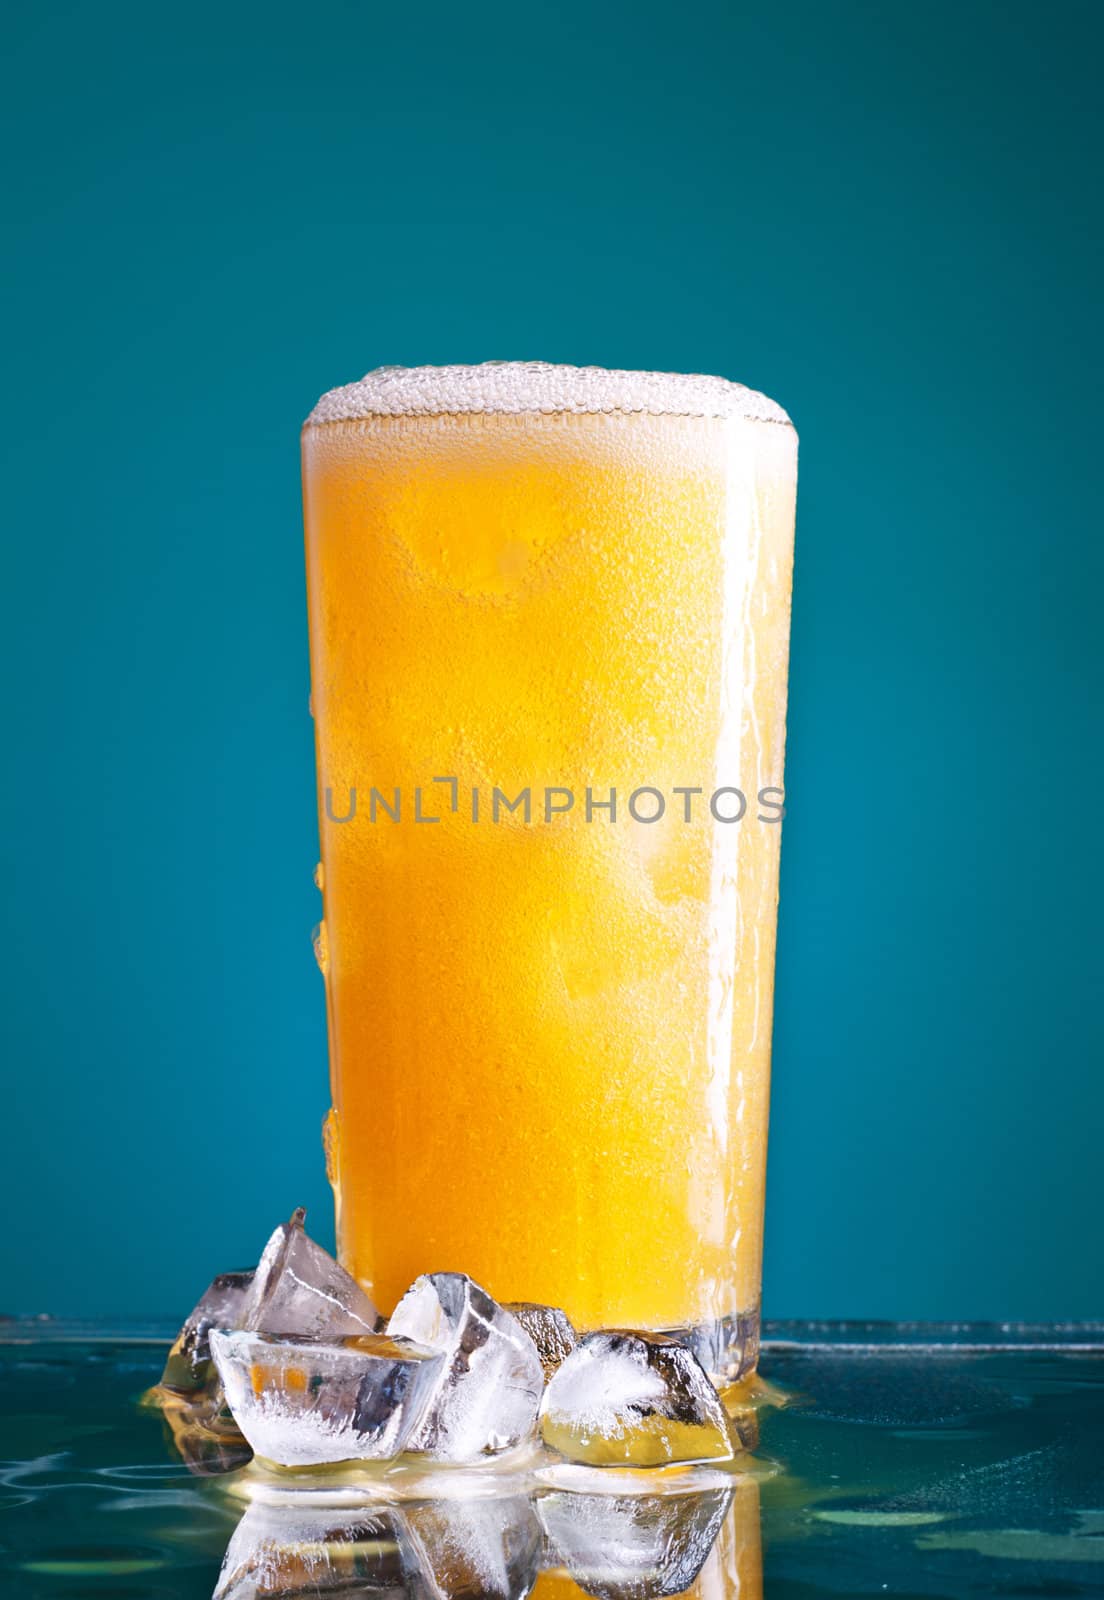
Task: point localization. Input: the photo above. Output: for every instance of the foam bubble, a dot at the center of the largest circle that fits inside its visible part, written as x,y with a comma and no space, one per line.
514,387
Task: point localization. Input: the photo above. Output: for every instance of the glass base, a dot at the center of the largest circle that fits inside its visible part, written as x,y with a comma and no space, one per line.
728,1349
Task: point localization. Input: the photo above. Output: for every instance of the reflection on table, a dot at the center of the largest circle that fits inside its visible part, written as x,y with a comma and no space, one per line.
626,1541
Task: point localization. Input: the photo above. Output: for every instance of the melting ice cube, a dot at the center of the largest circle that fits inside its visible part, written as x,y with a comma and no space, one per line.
189,1369
549,1330
299,1288
633,1547
302,1401
639,1399
490,1386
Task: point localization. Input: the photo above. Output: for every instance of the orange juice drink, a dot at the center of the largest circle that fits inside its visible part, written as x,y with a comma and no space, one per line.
549,615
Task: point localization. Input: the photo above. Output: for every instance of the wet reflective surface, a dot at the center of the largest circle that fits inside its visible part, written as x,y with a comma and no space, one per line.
974,1466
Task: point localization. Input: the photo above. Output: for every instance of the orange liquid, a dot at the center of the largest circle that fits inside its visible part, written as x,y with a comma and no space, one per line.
550,1039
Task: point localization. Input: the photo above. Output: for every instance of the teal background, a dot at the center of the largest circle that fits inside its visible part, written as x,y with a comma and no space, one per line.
885,216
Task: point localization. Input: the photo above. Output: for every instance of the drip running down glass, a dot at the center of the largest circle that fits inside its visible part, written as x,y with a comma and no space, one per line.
549,616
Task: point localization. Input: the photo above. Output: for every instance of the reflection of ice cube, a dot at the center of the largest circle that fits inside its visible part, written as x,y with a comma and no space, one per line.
549,1330
301,1401
633,1547
490,1387
633,1398
445,1549
188,1369
486,1549
299,1288
289,1549
205,1435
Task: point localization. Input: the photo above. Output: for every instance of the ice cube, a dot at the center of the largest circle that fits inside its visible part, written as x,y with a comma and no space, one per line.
300,1401
549,1330
189,1369
298,1288
472,1549
490,1387
628,1398
635,1546
289,1549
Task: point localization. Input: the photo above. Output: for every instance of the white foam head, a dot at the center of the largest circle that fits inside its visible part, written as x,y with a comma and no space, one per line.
514,387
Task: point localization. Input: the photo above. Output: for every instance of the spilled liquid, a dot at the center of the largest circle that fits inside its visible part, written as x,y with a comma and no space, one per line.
892,1471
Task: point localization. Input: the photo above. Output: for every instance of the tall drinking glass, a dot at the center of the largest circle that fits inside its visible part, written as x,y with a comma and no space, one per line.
549,617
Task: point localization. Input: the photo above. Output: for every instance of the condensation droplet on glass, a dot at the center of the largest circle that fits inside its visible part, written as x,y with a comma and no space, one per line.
321,948
319,876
